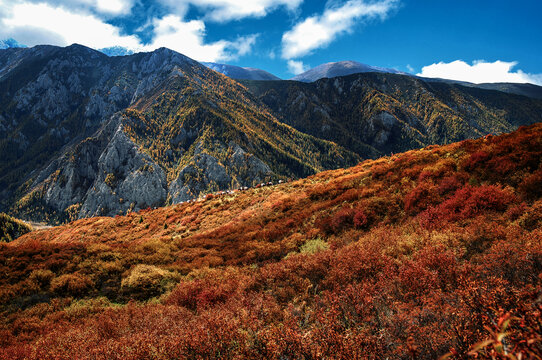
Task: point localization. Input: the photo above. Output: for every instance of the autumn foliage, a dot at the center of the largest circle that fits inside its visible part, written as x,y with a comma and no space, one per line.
431,253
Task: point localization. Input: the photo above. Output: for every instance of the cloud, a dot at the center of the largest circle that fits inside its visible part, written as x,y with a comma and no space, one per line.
188,38
227,10
480,72
105,7
320,30
296,67
33,24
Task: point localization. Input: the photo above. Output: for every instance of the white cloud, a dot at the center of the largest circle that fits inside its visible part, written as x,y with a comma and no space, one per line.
114,6
296,67
480,72
319,31
104,7
187,38
226,10
32,23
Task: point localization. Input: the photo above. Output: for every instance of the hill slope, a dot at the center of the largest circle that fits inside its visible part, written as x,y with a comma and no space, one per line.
414,255
11,228
373,114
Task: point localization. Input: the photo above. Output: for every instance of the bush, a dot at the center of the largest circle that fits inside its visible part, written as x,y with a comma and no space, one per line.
313,246
470,201
531,187
420,198
71,284
360,219
146,281
42,277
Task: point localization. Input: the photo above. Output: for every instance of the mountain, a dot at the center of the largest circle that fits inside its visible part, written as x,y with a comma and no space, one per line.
344,68
373,114
10,43
84,134
414,255
340,68
530,90
241,73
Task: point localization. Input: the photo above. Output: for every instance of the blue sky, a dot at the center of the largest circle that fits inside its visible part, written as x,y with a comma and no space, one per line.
471,40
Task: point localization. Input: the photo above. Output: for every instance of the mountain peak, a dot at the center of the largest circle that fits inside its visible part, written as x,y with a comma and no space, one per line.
241,73
340,68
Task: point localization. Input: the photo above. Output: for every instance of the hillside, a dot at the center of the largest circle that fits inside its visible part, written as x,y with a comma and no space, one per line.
415,255
85,134
11,228
375,114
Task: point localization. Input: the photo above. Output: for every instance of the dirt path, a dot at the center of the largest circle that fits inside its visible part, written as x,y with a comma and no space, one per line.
37,225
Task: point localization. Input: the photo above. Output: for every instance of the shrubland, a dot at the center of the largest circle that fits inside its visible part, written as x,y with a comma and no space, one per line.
429,253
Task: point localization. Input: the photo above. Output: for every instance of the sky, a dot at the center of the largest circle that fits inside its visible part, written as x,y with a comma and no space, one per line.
468,40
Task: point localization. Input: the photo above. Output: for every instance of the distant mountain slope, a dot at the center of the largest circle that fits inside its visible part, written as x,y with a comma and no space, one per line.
10,43
340,68
241,73
373,114
344,68
85,134
529,90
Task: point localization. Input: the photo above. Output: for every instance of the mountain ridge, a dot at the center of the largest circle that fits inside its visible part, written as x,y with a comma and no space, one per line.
84,134
138,130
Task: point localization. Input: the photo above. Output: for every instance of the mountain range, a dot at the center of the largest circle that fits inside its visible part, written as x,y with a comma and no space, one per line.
85,134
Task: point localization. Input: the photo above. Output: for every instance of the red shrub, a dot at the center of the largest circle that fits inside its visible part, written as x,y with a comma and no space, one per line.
342,219
531,187
471,201
449,184
420,198
360,219
475,159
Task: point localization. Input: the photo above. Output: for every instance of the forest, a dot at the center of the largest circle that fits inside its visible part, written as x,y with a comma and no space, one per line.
432,253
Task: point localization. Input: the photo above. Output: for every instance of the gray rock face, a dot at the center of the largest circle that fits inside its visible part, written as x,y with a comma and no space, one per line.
106,174
380,126
126,180
247,168
206,173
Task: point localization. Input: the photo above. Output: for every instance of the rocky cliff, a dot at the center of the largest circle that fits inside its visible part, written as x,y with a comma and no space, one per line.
83,134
